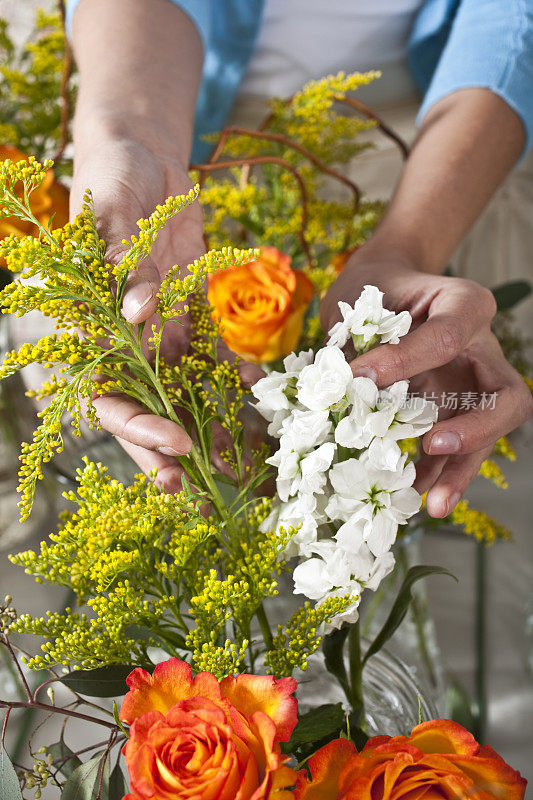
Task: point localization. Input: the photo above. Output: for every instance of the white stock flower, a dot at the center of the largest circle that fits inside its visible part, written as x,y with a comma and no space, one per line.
324,385
301,473
366,419
410,417
297,512
304,430
380,499
336,572
276,392
329,573
367,321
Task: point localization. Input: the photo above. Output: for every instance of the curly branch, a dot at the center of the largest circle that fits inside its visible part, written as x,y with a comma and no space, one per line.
233,130
384,128
270,160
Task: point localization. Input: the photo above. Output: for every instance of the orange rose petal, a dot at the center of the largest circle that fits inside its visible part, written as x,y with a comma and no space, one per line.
443,736
171,682
325,767
261,305
492,775
274,697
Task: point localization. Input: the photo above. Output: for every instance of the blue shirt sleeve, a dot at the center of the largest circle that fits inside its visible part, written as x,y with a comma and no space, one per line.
489,44
198,10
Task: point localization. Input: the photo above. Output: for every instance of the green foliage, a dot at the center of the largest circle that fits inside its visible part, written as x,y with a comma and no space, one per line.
30,87
9,782
401,605
147,569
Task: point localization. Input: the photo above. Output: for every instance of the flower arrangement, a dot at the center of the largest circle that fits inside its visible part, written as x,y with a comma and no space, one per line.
161,573
174,593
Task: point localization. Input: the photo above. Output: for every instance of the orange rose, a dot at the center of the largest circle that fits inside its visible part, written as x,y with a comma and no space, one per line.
50,198
338,262
440,760
261,305
202,739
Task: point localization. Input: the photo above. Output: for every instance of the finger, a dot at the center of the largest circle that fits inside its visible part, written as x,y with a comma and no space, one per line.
447,331
453,481
428,469
140,298
169,472
505,404
129,421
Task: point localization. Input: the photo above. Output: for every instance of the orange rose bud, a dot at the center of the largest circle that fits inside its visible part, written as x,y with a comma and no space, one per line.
47,200
207,739
440,759
261,305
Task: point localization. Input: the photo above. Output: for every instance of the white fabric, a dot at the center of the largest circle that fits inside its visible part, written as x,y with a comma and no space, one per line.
304,39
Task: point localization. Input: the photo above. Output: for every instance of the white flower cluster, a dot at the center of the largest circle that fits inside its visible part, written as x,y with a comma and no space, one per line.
341,476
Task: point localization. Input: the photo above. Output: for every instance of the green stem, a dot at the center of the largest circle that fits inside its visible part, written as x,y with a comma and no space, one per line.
265,627
356,673
481,640
419,618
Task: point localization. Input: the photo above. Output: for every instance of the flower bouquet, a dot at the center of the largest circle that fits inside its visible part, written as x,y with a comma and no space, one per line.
174,593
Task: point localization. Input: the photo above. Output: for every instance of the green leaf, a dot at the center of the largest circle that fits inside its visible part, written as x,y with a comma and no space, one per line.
107,681
401,605
118,721
510,294
83,783
357,734
68,761
333,649
117,784
316,724
9,782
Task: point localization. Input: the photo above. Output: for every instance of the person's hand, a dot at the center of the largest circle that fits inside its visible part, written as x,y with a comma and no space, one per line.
128,180
450,349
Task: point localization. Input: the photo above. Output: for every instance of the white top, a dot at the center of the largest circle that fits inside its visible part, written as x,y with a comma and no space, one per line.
304,39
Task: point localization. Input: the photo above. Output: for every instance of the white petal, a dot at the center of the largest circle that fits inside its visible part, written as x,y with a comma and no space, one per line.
382,533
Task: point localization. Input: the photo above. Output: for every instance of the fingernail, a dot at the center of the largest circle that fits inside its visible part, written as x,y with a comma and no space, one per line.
365,372
452,501
444,443
135,299
165,450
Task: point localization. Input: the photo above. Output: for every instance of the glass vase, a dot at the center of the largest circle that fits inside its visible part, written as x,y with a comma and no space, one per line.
393,699
415,641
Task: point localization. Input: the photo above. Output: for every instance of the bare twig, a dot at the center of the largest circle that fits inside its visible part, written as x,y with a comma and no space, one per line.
384,128
233,130
4,728
57,710
27,689
105,756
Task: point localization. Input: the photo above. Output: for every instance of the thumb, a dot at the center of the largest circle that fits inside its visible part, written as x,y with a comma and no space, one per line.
140,298
117,210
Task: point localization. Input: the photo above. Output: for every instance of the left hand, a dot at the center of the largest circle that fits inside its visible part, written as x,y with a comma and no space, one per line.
449,349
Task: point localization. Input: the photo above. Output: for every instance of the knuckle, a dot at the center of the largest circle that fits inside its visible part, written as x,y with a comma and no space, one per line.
115,253
449,338
486,302
398,361
524,401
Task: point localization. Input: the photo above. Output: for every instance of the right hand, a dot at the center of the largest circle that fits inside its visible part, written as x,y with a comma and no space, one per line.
127,181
